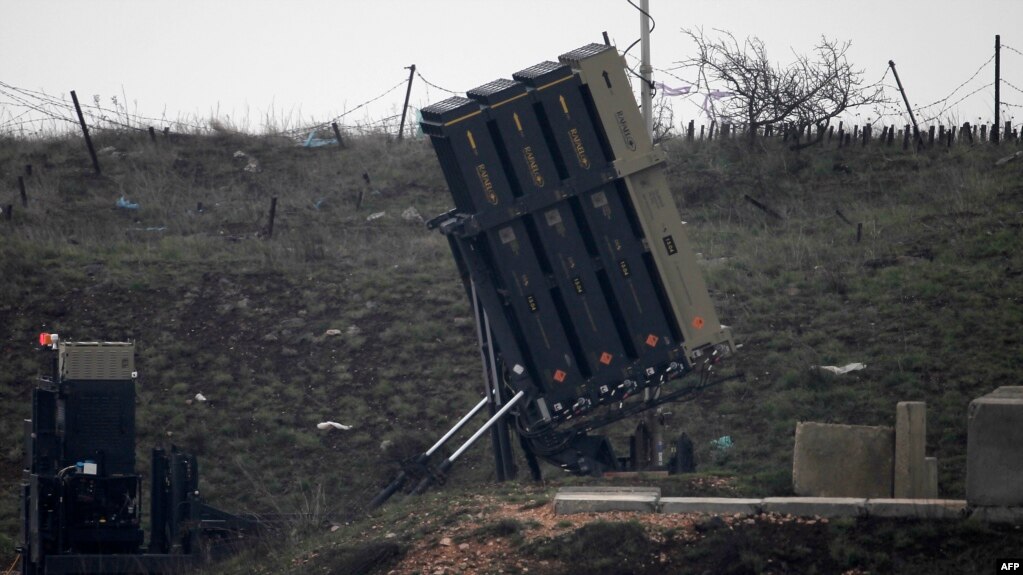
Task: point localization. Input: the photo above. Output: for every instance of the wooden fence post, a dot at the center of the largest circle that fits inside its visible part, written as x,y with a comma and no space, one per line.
273,214
85,131
21,188
337,134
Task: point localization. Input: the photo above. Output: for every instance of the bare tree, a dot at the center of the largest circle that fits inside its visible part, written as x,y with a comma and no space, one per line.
808,92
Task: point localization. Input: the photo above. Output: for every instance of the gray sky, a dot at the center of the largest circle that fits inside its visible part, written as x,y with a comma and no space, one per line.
304,61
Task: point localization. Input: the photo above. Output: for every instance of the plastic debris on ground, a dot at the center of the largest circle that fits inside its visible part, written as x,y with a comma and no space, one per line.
126,205
375,216
841,370
200,397
313,142
723,443
240,154
333,425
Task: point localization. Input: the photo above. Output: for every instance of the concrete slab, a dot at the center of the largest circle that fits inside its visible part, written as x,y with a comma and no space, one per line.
832,460
1012,515
610,489
910,450
635,474
816,506
917,508
710,505
994,449
931,465
569,503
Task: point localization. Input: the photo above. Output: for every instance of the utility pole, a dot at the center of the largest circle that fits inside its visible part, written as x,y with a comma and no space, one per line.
645,70
998,85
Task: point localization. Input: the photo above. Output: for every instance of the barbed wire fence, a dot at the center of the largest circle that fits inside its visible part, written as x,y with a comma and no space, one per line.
32,113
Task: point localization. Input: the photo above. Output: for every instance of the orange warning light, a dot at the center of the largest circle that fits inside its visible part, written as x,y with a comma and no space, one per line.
605,358
698,322
44,339
559,376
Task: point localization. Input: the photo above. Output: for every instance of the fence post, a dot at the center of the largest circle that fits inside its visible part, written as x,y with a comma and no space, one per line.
273,214
337,134
930,137
702,128
85,131
891,134
21,188
905,98
983,132
905,138
408,92
998,84
691,131
866,135
152,134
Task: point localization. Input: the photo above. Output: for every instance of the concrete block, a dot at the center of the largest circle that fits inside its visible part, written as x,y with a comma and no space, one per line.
710,505
1012,515
610,489
910,481
842,460
816,506
917,508
931,465
994,449
569,503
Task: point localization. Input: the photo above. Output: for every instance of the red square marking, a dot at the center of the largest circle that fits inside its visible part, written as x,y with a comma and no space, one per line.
605,358
652,340
559,376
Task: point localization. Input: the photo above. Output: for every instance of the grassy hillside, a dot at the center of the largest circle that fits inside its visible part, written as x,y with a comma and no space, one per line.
929,298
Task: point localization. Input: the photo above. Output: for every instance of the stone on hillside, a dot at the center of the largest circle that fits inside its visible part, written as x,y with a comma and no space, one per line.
332,332
411,215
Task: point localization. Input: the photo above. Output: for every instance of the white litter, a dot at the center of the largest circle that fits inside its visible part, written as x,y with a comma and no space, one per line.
375,216
840,370
332,424
240,154
200,397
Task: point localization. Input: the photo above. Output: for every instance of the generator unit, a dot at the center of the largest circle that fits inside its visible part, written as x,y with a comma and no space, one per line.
588,297
81,494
